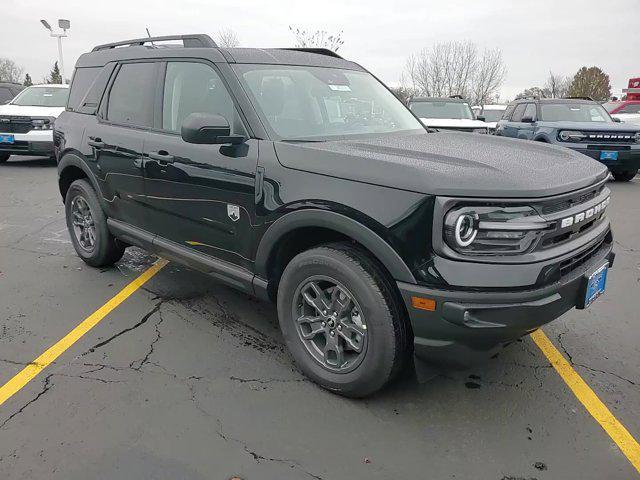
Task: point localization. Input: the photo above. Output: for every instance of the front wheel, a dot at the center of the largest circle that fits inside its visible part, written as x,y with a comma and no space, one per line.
341,320
4,157
87,226
624,175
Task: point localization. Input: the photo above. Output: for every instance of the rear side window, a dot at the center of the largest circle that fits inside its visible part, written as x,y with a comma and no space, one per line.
518,112
132,94
5,95
83,78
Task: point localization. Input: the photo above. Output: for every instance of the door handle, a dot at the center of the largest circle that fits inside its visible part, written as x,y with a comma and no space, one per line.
162,157
96,142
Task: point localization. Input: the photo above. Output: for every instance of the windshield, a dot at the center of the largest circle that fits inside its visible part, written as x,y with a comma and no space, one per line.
300,102
573,112
42,97
492,115
442,110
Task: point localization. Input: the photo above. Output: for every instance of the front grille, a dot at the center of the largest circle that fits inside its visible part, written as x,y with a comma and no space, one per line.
571,264
608,137
15,124
571,201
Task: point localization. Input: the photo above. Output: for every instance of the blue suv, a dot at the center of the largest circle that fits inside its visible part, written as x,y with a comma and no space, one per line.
580,124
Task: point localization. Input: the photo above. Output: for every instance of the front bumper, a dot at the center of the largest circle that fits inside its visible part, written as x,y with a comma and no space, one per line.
468,325
36,142
628,155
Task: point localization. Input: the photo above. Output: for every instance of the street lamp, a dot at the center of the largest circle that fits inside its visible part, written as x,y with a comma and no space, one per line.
64,25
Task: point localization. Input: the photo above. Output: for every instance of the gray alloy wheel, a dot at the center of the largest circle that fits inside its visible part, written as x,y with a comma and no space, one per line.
330,323
84,227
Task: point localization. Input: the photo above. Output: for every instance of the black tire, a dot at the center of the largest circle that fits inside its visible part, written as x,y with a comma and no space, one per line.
106,249
4,157
387,332
624,175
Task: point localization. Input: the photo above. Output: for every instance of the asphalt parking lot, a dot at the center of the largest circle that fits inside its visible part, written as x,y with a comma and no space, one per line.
188,379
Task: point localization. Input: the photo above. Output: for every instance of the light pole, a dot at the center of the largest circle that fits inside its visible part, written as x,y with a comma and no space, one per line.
64,25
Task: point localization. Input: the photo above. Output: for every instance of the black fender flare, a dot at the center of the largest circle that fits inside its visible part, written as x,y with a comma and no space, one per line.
72,159
334,221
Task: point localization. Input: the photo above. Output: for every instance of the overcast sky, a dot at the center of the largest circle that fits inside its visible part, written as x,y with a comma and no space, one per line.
534,36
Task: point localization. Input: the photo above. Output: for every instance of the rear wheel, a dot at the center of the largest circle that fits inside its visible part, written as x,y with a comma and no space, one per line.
87,226
624,175
341,320
4,157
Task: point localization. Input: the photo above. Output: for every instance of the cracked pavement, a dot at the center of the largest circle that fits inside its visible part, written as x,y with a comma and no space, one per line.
189,379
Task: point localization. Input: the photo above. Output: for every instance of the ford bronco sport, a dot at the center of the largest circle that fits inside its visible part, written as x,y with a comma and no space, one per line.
579,124
296,176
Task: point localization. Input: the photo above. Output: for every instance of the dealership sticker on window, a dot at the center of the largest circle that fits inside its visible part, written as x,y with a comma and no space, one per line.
340,88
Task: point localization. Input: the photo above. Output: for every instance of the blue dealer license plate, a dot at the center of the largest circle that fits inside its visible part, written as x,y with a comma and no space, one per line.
608,155
595,284
6,138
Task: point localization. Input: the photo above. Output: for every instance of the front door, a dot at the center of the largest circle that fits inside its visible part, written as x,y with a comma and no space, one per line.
200,196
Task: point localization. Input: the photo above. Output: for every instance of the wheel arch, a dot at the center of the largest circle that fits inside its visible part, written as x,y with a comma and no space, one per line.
334,226
73,167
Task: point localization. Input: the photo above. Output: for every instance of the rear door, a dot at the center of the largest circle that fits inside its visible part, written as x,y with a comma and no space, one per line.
201,197
117,139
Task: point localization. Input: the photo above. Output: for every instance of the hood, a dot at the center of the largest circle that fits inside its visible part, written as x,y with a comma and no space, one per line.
589,126
448,163
452,123
29,111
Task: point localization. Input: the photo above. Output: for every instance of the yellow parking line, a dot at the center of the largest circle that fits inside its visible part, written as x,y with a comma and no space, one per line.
30,371
590,400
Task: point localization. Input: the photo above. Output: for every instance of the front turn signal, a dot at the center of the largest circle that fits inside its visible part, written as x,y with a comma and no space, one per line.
420,303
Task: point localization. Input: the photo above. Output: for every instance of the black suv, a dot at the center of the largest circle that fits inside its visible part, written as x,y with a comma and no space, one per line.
579,124
296,176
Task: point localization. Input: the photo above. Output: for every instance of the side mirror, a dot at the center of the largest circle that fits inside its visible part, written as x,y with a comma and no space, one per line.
527,120
481,118
207,128
616,119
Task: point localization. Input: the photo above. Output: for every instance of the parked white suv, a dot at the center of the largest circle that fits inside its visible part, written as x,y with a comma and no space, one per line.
26,123
451,113
490,114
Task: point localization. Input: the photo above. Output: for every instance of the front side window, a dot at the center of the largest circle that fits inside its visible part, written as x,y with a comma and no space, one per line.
191,87
518,113
530,111
442,110
315,103
5,95
132,94
574,112
42,97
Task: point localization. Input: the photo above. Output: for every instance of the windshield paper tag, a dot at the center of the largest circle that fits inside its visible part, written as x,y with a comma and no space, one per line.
340,88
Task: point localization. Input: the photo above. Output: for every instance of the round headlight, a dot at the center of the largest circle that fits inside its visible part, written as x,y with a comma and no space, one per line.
571,136
465,229
638,137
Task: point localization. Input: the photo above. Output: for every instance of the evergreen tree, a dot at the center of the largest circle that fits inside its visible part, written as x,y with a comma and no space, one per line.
27,80
54,76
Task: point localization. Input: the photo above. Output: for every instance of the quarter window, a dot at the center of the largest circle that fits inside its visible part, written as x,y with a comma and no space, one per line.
132,94
192,87
82,79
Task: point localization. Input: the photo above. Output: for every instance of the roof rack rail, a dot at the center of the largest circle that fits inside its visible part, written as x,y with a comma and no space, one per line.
197,40
458,96
578,98
319,51
529,97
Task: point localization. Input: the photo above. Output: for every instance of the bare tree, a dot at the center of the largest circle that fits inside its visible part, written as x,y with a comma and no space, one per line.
534,92
227,38
558,85
489,76
317,38
10,71
454,68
